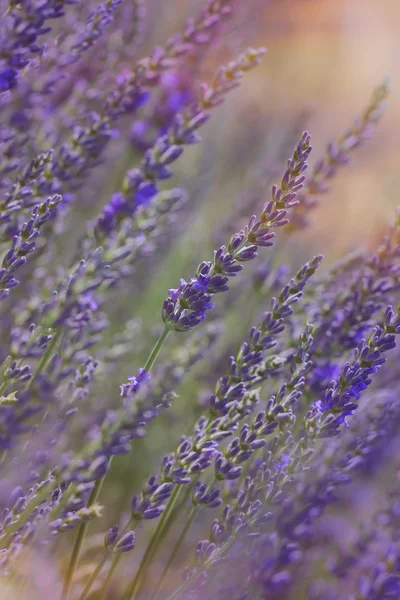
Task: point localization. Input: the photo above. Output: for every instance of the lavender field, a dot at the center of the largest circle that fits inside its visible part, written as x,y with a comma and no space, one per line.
199,300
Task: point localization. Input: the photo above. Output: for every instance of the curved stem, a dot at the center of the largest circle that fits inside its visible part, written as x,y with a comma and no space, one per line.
175,550
110,573
99,483
185,585
130,525
45,358
151,549
82,529
101,564
93,577
157,349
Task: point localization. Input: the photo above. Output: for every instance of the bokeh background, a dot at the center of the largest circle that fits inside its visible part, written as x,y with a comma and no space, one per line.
324,59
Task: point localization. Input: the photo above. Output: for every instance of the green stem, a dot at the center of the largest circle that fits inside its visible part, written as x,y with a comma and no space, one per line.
45,358
130,525
93,577
98,485
157,349
177,502
110,573
101,564
82,529
175,550
184,586
3,386
151,549
3,457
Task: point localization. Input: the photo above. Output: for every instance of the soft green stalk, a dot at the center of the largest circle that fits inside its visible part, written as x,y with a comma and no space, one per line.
45,358
177,502
131,523
152,547
93,577
82,530
189,521
102,562
80,536
184,586
157,349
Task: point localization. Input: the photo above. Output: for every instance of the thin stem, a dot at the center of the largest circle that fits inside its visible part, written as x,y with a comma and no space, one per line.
45,358
3,457
82,529
130,525
110,573
93,576
3,386
177,501
157,349
175,550
151,549
177,508
98,485
184,586
102,562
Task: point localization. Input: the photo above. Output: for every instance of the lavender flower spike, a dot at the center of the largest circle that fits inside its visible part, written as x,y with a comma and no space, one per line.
186,306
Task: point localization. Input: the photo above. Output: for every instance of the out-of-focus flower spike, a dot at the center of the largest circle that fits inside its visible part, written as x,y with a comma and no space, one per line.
337,155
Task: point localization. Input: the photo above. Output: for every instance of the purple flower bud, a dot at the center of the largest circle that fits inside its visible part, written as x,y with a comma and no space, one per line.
126,543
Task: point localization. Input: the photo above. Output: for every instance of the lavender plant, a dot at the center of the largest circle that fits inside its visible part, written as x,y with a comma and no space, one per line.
116,481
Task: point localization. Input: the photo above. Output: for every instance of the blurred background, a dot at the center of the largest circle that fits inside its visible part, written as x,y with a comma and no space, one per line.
324,59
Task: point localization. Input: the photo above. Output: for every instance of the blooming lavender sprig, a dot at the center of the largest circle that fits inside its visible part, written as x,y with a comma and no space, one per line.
366,445
176,93
186,306
24,244
346,309
141,415
21,194
20,30
298,450
340,399
195,454
317,487
264,277
141,184
382,578
373,556
279,413
74,158
98,20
